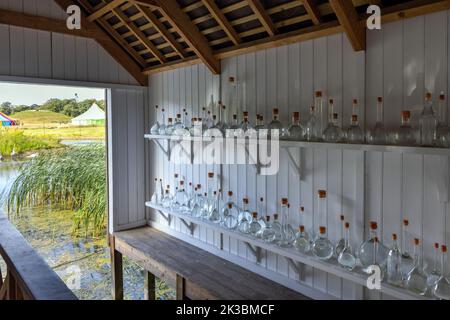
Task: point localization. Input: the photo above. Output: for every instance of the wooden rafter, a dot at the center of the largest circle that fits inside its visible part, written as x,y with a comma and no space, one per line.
110,46
312,11
105,9
263,17
349,19
159,26
222,21
190,33
140,35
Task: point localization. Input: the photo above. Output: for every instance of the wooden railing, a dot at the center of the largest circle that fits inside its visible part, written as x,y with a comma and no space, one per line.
28,277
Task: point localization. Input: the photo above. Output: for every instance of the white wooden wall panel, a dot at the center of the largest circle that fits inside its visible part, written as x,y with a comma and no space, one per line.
403,61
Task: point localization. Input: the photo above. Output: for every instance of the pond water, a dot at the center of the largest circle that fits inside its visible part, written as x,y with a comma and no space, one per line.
49,231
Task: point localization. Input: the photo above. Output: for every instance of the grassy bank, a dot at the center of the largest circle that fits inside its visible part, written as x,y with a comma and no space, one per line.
40,118
20,142
69,133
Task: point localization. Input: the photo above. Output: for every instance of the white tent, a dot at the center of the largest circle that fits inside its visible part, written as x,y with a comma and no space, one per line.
94,116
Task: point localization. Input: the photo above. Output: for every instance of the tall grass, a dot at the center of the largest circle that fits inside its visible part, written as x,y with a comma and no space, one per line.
72,178
11,139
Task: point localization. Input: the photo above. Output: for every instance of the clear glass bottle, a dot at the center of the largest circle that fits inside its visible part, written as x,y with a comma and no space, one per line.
155,128
244,212
346,257
215,215
197,208
332,133
230,213
307,233
268,234
182,198
277,229
275,125
210,199
407,259
321,117
222,125
232,95
441,289
373,249
416,281
296,131
340,245
162,126
434,275
378,134
178,127
255,226
158,195
169,127
234,126
394,264
167,200
244,126
287,232
322,247
261,209
302,242
354,133
312,129
442,130
405,135
428,123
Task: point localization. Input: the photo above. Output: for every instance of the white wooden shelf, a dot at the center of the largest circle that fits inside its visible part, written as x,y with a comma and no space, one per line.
332,146
295,259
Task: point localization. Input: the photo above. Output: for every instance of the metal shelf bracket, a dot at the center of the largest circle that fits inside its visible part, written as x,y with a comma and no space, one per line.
256,251
166,151
293,162
298,268
168,217
191,226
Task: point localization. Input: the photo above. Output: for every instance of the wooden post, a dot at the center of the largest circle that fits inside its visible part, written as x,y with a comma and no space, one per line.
117,272
10,287
149,286
180,293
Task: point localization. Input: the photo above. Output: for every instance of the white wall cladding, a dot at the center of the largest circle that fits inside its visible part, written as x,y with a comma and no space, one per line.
40,54
401,62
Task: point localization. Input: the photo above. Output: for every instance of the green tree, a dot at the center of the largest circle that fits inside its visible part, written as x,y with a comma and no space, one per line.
56,105
6,108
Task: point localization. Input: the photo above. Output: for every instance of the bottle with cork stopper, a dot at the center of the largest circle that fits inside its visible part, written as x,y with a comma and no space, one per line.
373,251
162,126
416,280
354,133
406,135
346,257
302,242
296,131
428,123
155,128
230,213
275,126
394,263
441,288
378,134
333,132
322,247
312,130
340,245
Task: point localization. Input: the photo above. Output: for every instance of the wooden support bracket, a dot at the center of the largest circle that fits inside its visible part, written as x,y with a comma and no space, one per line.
191,226
256,251
298,268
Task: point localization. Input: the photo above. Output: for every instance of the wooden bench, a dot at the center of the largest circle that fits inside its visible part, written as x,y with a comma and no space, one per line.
28,276
193,272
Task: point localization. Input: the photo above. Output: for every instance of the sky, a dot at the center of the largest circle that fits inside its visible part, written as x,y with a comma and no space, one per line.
27,94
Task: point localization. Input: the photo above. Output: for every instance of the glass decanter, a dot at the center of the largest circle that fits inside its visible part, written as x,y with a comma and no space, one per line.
312,129
341,243
346,258
169,127
333,133
230,213
302,241
441,289
244,126
322,247
209,202
232,95
259,123
296,131
277,229
261,208
428,123
407,259
167,200
434,275
287,232
394,264
416,281
214,215
373,250
155,128
158,195
307,232
255,226
182,198
442,130
245,213
319,112
354,133
378,134
162,126
405,135
234,127
178,127
275,125
222,125
268,234
197,210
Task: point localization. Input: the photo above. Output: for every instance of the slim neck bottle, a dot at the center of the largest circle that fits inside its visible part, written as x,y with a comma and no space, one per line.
312,131
245,213
163,126
255,227
261,210
434,275
275,125
346,258
295,131
322,247
407,259
394,263
268,233
406,135
287,232
373,248
441,289
322,206
354,133
428,123
332,133
302,242
416,280
340,245
442,130
378,134
318,103
156,197
155,128
307,234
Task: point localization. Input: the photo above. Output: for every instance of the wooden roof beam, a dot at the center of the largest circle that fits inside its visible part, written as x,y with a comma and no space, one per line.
105,9
263,16
110,46
159,26
222,21
184,26
312,11
349,19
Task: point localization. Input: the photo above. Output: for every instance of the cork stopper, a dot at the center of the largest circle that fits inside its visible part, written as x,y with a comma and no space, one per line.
168,186
163,110
245,113
335,116
275,111
355,101
156,179
347,225
199,186
442,96
318,94
444,249
176,175
170,120
268,218
428,96
380,99
284,201
436,245
342,217
210,174
406,114
331,101
405,222
178,115
322,194
296,115
354,117
231,79
245,200
190,184
167,191
261,199
301,228
416,242
230,206
302,209
156,107
312,109
230,193
181,183
322,230
373,225
275,216
255,215
394,237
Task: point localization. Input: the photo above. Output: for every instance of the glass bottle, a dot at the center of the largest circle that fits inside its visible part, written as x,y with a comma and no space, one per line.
332,133
416,280
261,208
434,275
306,233
214,215
277,229
405,135
182,198
275,125
210,198
167,201
287,232
394,264
378,134
155,128
268,234
322,247
373,250
340,245
230,213
295,131
442,130
162,126
244,126
244,225
178,127
346,258
233,130
302,242
321,118
428,123
441,289
244,213
158,195
312,130
169,127
232,95
354,133
222,125
197,209
255,226
407,259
